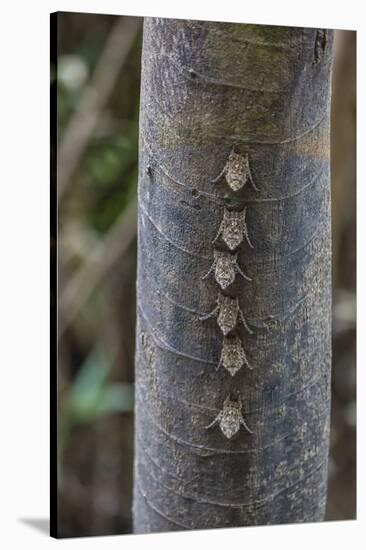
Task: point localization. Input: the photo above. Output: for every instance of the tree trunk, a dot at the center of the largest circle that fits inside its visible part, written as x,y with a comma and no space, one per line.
234,119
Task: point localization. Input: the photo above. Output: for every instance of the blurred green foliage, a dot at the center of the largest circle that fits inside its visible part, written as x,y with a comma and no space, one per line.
103,185
91,395
106,179
107,162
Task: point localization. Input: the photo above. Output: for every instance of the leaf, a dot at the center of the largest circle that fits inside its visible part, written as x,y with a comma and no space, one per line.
115,398
88,384
90,396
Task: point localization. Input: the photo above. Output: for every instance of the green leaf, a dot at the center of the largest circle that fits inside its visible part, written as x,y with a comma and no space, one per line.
115,398
90,396
85,391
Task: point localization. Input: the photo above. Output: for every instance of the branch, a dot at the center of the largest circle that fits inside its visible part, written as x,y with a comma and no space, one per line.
97,266
95,96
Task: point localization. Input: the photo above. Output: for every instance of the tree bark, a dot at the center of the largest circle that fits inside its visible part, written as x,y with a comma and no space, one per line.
263,92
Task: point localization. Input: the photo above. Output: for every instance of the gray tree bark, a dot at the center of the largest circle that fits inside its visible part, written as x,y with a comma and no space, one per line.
209,89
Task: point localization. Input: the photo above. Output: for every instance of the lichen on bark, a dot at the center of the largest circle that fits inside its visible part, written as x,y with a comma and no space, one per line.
206,88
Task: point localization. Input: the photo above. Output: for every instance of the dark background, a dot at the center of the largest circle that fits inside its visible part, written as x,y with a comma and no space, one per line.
97,86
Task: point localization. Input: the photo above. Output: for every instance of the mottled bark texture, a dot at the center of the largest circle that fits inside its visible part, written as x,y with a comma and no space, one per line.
265,91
